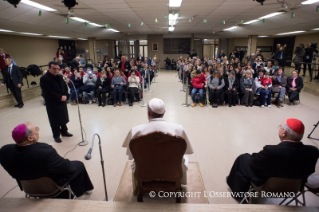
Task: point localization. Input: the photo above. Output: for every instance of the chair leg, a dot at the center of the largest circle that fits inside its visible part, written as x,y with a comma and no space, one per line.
140,195
304,198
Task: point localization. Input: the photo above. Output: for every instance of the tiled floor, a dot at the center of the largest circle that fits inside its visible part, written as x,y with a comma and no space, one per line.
218,135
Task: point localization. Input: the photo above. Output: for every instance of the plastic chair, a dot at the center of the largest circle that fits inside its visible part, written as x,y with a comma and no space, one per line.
44,187
158,159
277,185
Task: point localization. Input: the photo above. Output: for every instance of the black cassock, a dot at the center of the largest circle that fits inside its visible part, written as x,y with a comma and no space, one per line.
53,88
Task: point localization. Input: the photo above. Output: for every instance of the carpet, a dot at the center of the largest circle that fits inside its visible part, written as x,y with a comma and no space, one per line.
192,193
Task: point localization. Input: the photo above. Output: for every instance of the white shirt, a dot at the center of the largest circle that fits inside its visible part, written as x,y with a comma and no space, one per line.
158,124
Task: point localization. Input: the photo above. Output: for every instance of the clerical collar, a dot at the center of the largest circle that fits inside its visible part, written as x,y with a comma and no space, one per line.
157,119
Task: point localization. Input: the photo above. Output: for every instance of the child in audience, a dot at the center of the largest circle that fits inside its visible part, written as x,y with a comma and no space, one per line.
265,92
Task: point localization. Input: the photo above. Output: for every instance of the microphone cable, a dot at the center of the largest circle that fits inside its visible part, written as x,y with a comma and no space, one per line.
9,191
76,144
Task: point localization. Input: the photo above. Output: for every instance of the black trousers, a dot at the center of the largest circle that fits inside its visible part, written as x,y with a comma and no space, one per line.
293,95
298,67
232,97
281,63
305,68
242,174
214,95
249,97
132,91
101,94
16,92
58,130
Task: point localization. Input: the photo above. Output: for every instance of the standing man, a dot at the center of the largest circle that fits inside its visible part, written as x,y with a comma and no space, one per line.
307,59
241,55
300,54
54,92
140,57
3,56
12,76
221,54
281,56
124,64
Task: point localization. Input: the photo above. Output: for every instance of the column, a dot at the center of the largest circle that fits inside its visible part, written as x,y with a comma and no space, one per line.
137,48
252,44
92,49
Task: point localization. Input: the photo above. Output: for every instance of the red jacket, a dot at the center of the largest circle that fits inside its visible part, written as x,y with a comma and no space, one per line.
57,56
198,82
2,63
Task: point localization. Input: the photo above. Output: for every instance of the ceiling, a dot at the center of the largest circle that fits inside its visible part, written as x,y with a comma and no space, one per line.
119,13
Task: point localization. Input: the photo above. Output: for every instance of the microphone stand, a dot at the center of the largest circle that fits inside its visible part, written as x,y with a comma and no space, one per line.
83,142
88,157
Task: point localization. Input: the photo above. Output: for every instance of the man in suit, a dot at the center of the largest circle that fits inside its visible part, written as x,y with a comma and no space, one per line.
288,159
140,57
307,59
54,92
28,160
13,78
221,54
241,55
75,63
281,56
124,64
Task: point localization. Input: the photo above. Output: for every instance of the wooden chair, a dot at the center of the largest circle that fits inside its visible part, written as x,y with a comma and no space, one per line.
44,187
277,185
158,159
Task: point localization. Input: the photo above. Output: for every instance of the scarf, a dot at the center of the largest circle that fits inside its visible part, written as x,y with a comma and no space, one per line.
231,82
123,64
293,84
248,82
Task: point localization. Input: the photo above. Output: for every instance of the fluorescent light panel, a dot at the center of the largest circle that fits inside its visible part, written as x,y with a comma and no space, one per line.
37,5
53,36
28,33
172,19
270,15
113,30
287,33
309,2
78,19
94,24
82,39
230,28
249,22
175,3
4,30
171,29
316,29
262,36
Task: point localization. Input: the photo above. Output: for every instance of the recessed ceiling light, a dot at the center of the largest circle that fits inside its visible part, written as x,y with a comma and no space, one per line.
309,1
28,33
78,19
262,36
172,19
53,36
249,22
230,28
82,39
271,15
113,30
4,30
94,24
171,29
287,33
37,5
175,3
316,29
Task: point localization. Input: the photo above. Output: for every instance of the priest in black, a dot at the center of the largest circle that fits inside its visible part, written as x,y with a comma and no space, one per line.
13,78
288,159
28,160
55,92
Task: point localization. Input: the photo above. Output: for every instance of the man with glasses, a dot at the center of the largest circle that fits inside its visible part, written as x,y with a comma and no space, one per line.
55,92
288,159
29,159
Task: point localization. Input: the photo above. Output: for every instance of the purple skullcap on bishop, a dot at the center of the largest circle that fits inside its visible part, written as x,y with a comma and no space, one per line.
18,132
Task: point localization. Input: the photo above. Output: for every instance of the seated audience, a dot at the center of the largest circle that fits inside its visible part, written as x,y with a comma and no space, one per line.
265,92
294,86
117,84
103,84
231,87
289,159
76,78
216,85
269,68
89,81
279,83
199,83
133,81
247,86
155,113
29,160
258,81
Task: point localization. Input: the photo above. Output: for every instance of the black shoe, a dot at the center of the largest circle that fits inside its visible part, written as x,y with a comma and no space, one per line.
66,134
234,105
230,105
303,75
58,140
251,105
103,104
130,104
20,106
100,105
247,106
16,105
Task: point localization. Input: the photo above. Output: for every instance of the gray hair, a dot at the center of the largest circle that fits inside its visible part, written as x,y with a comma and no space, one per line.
292,135
28,133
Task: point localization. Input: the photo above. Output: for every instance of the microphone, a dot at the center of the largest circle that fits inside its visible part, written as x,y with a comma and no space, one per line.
88,155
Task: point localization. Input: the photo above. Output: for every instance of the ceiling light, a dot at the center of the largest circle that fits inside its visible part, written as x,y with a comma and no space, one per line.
309,1
249,22
175,3
53,36
262,36
172,19
271,15
78,19
82,39
287,33
316,29
230,28
37,5
4,30
113,30
28,33
171,29
94,24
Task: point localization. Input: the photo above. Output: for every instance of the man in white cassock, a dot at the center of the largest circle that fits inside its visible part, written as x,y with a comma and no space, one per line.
155,112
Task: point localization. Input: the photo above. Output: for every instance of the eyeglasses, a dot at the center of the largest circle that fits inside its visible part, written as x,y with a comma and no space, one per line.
55,68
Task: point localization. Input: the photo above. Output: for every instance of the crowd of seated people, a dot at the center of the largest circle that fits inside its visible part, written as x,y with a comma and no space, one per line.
110,82
231,81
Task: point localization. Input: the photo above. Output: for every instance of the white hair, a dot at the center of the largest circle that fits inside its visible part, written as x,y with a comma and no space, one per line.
292,135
